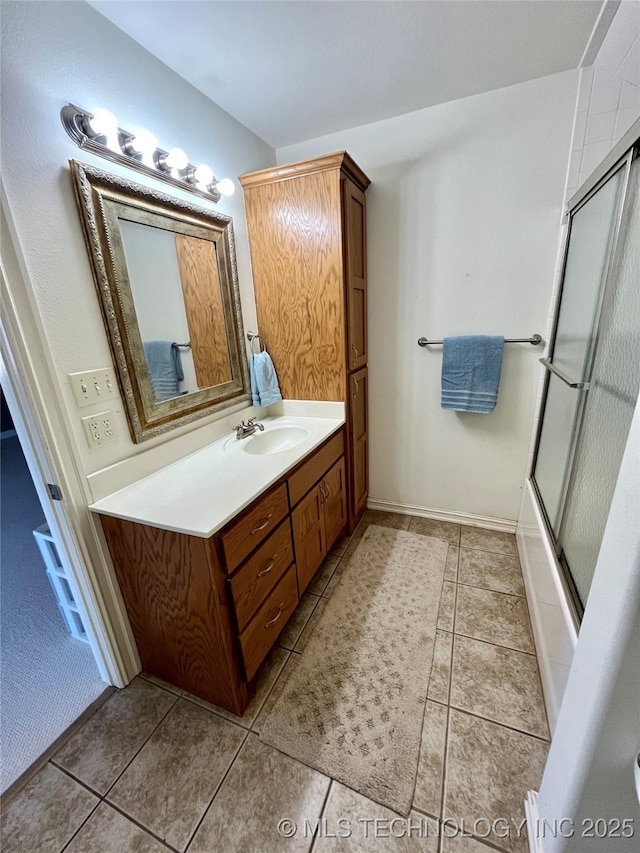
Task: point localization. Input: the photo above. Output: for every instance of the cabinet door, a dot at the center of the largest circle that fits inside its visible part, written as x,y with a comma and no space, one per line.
309,536
334,490
358,446
356,274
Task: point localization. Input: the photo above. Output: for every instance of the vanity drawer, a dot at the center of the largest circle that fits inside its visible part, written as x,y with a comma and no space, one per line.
261,633
308,474
253,581
253,526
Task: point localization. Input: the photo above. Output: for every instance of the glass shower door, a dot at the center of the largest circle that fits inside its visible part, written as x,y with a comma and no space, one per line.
614,387
571,453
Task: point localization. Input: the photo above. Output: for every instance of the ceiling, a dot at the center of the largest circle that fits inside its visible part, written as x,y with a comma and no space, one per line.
291,71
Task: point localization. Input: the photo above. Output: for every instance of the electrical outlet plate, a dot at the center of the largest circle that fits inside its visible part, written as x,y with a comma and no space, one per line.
100,428
93,386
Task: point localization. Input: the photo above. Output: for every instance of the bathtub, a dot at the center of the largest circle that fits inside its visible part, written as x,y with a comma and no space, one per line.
555,631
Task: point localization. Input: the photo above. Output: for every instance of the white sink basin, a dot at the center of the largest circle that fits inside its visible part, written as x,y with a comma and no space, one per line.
276,440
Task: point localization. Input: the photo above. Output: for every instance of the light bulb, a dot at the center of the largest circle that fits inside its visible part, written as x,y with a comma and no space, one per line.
144,142
103,123
203,175
176,159
226,186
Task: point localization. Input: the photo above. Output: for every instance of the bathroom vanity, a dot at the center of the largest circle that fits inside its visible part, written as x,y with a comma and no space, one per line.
213,552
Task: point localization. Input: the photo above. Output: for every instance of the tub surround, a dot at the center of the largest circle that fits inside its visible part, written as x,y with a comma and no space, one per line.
200,493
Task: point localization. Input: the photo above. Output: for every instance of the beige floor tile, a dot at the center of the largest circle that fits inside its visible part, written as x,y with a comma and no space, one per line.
428,794
359,824
340,546
160,683
107,831
447,606
336,577
386,519
488,540
489,771
263,787
263,681
295,626
45,813
353,543
172,780
323,575
106,743
447,530
463,844
451,566
275,692
441,668
311,625
490,571
500,684
493,617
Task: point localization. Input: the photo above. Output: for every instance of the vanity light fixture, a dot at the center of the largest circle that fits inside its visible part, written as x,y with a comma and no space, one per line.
143,142
98,132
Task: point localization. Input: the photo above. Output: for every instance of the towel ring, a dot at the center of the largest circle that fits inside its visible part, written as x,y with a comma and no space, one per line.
254,336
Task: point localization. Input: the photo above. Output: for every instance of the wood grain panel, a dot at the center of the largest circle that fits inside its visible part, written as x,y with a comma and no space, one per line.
308,474
308,536
255,579
199,275
264,628
340,160
358,446
295,237
335,502
253,525
356,274
171,588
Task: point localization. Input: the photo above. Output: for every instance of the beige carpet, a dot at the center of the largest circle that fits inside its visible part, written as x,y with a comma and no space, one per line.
353,705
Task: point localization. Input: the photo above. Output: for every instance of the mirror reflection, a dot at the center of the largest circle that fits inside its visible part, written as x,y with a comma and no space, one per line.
175,284
165,273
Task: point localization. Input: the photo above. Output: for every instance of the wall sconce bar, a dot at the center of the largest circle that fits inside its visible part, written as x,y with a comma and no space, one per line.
75,121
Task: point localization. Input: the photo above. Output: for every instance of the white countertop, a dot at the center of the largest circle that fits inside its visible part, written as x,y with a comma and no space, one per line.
200,493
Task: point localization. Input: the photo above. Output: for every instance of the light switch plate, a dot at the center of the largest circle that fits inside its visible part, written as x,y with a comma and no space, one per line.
93,386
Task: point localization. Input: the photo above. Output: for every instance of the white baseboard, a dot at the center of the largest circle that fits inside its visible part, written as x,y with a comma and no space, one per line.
533,821
503,524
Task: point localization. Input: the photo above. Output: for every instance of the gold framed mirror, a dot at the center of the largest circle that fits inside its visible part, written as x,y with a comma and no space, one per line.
166,275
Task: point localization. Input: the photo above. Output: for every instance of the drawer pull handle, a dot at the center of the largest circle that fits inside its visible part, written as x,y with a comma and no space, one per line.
261,526
324,486
356,353
276,617
356,387
267,568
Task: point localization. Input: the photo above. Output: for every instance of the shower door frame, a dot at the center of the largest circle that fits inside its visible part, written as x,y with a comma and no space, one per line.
619,158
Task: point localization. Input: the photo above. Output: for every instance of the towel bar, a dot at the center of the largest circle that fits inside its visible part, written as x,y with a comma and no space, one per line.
534,340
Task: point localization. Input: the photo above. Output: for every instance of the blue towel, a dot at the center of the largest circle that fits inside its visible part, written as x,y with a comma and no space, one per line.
264,382
165,368
471,366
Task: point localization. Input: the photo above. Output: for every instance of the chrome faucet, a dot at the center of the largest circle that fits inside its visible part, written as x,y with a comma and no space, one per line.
247,428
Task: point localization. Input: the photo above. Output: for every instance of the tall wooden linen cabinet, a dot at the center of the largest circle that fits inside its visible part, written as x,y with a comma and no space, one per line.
307,234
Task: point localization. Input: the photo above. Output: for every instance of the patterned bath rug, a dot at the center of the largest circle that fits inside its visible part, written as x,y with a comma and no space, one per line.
353,705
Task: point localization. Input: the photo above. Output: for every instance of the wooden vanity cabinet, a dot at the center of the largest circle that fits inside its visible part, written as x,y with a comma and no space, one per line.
206,612
307,234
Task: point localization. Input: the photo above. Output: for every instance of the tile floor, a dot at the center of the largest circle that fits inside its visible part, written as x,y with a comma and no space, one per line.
156,769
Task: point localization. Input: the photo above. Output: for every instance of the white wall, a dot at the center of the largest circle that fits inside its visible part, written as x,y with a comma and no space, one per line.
53,53
463,216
